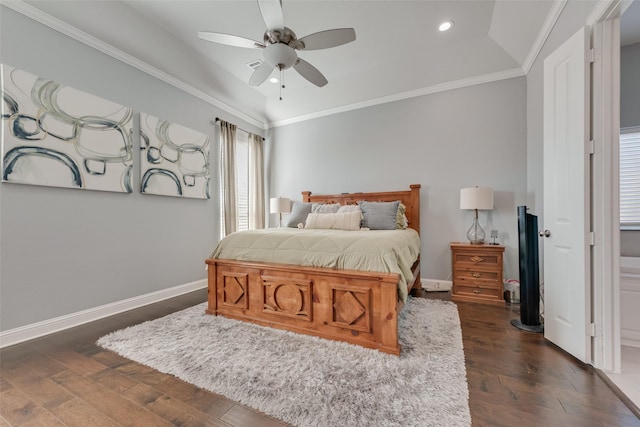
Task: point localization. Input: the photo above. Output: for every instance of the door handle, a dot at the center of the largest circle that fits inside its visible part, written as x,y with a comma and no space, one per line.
545,233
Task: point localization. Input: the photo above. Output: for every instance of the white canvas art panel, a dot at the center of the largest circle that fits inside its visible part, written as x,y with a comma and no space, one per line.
54,135
174,159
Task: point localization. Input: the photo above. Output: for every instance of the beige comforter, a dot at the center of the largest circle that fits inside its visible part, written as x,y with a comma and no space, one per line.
389,251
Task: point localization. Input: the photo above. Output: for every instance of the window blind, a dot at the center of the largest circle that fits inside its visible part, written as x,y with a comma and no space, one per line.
630,179
242,179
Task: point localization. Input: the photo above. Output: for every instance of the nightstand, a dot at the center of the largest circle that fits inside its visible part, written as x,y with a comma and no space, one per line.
477,273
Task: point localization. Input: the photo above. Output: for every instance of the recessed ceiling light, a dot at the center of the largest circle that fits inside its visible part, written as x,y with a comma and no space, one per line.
445,26
274,80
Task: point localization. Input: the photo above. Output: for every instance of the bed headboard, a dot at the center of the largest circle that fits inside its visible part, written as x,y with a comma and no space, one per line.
410,198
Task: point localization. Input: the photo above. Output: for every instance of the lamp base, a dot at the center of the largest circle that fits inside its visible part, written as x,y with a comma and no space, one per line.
475,234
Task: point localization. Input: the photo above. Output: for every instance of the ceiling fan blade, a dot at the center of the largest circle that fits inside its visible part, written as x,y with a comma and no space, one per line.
260,74
310,73
271,11
328,38
230,40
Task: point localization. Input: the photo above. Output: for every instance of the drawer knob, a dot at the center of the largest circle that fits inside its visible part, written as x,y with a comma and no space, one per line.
476,275
476,291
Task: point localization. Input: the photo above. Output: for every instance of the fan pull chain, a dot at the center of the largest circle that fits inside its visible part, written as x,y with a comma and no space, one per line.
281,81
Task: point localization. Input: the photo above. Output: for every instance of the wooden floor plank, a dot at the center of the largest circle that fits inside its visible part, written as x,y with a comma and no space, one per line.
78,362
174,411
114,380
515,378
209,403
241,416
112,404
34,383
20,410
77,413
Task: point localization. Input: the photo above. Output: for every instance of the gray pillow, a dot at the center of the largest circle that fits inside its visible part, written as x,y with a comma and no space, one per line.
379,215
325,207
298,214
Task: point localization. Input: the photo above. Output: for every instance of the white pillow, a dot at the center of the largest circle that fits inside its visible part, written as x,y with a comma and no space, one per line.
335,221
349,208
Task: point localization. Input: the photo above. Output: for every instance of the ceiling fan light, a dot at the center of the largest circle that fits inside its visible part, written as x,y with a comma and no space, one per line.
280,55
446,25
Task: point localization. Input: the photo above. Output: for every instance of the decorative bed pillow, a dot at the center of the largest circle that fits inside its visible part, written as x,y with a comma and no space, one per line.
401,218
325,207
335,221
379,215
349,208
298,214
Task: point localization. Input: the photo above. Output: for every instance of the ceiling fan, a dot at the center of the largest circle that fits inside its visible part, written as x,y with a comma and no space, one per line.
280,45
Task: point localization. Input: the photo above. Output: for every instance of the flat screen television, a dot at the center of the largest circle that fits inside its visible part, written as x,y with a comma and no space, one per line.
529,272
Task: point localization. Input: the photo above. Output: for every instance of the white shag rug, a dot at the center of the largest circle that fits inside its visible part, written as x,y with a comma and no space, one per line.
308,381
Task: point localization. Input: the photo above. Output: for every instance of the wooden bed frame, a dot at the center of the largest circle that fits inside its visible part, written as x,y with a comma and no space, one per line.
345,305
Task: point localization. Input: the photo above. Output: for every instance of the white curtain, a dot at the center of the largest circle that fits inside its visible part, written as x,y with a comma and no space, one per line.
256,183
228,177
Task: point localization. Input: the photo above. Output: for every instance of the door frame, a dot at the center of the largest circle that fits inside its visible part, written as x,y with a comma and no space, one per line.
605,207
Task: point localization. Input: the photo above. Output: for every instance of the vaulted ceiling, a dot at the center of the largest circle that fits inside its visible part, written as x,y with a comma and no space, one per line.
398,51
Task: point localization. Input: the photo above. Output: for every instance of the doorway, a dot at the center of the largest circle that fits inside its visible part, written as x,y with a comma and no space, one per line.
607,32
628,377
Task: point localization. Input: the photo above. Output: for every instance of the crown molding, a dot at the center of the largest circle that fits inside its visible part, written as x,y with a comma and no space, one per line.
543,35
606,9
443,87
56,24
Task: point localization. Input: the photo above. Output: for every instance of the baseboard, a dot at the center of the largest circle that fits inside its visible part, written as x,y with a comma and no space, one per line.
619,393
630,337
436,285
46,327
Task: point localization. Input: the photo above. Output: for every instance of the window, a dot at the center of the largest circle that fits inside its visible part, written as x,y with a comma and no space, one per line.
242,179
630,178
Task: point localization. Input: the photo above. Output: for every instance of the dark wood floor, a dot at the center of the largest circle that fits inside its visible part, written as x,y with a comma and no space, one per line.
515,378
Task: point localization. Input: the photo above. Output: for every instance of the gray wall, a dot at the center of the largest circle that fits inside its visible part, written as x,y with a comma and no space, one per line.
630,85
630,117
573,17
65,250
444,141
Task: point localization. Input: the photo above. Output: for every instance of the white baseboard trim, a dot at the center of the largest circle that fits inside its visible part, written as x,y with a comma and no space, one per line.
630,337
46,327
436,285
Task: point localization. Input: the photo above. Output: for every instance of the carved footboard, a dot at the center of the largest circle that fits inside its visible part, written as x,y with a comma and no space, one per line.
353,306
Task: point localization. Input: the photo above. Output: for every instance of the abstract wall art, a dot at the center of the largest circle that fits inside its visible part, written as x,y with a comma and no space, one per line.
57,136
174,159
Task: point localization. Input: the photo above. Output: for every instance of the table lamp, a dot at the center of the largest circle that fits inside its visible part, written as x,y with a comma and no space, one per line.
279,205
476,198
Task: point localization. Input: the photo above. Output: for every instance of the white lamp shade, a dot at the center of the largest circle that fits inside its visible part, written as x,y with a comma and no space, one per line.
476,198
279,205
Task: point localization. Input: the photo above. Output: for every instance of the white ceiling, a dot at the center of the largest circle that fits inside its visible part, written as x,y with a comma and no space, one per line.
398,50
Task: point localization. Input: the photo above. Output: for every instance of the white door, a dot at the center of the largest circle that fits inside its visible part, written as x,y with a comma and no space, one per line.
566,197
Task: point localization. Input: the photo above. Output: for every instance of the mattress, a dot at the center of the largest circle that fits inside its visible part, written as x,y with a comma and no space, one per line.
387,251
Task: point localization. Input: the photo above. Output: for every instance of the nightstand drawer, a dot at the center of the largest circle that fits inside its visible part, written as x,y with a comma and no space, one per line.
477,275
472,259
490,278
478,291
